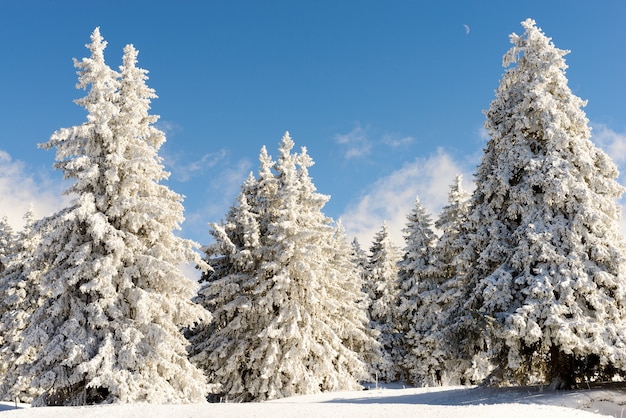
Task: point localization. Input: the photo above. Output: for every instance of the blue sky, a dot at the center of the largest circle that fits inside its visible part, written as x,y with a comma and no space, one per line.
387,96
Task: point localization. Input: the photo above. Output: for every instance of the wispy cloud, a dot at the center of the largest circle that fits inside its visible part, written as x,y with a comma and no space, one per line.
396,141
391,198
22,191
361,142
184,170
355,143
483,134
168,127
223,187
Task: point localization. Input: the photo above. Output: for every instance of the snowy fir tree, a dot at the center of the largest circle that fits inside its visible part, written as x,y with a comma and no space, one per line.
110,328
417,284
350,264
22,295
360,259
8,248
226,290
545,259
7,243
283,293
381,285
450,224
437,359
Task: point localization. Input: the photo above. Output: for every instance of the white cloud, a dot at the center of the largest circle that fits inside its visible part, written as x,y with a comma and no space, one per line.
395,141
392,198
613,143
169,128
20,191
355,142
483,134
223,188
185,170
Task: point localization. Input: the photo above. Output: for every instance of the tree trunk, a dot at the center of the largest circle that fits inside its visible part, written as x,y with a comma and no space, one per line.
561,369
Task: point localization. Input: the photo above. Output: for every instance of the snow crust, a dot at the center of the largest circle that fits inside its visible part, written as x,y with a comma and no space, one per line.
389,401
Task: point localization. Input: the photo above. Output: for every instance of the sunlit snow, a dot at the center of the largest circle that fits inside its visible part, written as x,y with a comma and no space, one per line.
382,402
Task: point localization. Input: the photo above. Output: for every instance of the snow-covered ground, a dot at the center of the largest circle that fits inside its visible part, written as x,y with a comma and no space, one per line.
376,402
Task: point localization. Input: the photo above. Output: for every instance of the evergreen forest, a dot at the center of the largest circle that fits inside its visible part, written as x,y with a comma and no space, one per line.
520,282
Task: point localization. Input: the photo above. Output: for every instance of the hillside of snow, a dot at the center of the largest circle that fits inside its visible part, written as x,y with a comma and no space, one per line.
607,400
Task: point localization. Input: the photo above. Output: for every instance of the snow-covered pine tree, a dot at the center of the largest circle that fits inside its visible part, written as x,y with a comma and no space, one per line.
382,288
22,295
417,285
110,330
226,291
315,320
7,252
291,326
367,346
434,360
7,242
360,259
450,223
440,362
545,259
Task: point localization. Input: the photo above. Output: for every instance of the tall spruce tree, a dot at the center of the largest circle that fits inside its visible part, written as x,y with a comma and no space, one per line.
545,261
8,249
7,243
435,300
287,317
359,258
450,223
440,360
22,295
109,330
417,284
348,265
382,288
227,291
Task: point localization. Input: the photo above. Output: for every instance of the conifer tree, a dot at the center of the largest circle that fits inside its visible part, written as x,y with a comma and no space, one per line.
360,259
545,260
433,359
382,288
441,362
287,319
7,252
227,291
109,330
450,223
417,284
22,295
7,243
368,348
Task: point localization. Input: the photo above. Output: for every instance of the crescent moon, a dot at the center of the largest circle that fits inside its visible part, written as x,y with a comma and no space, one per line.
467,29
